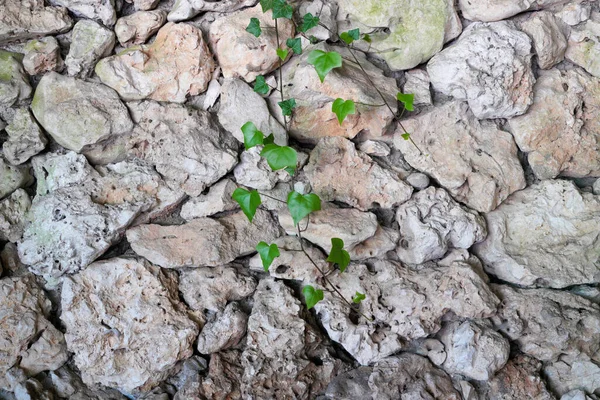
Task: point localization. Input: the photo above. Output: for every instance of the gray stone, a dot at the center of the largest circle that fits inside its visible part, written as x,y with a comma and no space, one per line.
519,379
417,83
12,215
99,10
565,376
548,39
218,199
584,45
138,27
27,19
13,177
418,180
25,138
253,171
574,13
596,187
226,331
186,9
495,10
32,389
42,55
68,384
377,246
90,42
14,84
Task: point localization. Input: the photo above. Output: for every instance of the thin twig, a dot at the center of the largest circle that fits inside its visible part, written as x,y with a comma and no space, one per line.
271,197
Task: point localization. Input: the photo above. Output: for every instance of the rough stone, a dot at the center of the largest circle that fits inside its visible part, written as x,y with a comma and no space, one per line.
475,161
490,67
495,10
576,395
574,13
418,180
186,9
30,343
377,246
138,27
32,389
99,10
417,83
564,376
596,187
77,113
127,330
13,267
68,384
224,332
548,39
27,19
177,64
144,5
560,131
224,376
14,84
90,42
519,379
25,138
374,148
218,199
12,177
431,223
202,241
404,304
545,235
42,55
584,45
241,54
12,215
412,39
253,171
327,12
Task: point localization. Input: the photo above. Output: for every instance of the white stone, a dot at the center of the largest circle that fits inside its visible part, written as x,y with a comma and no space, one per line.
224,332
138,27
253,171
563,377
90,42
584,45
13,212
12,177
27,19
574,13
495,10
218,199
548,39
186,9
417,83
99,10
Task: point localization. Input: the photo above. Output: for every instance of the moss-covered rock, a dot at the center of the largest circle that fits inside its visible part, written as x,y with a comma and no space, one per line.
14,84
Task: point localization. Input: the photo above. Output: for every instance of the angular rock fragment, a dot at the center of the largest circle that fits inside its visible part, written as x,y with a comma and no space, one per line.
495,10
99,10
68,384
42,55
12,177
138,27
14,84
545,235
490,67
218,199
90,42
25,138
253,171
27,19
584,45
431,223
384,240
224,332
475,161
186,9
12,215
574,13
224,376
417,83
564,376
127,330
548,39
177,64
519,379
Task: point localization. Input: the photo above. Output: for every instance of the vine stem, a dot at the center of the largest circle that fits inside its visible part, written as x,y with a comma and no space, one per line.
280,72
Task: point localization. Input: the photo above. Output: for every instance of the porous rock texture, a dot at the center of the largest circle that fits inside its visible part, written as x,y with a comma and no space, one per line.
27,19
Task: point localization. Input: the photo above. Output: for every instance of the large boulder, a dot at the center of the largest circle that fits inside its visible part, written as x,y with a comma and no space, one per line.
490,67
27,19
495,10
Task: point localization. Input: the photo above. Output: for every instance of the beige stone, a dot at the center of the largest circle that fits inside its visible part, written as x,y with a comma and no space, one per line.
138,27
27,19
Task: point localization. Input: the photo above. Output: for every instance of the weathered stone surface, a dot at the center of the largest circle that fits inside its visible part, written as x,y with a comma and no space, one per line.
253,171
404,376
564,376
224,332
32,389
374,148
218,199
313,119
561,130
338,172
99,10
240,104
417,83
519,379
383,241
138,27
475,161
26,19
202,241
25,138
211,288
327,12
12,215
431,223
14,84
490,67
224,376
68,384
13,267
584,45
410,40
280,347
144,5
42,55
495,10
545,235
185,9
30,343
473,350
350,225
409,303
241,54
12,177
576,395
418,180
90,42
125,327
546,324
548,39
574,13
177,64
78,114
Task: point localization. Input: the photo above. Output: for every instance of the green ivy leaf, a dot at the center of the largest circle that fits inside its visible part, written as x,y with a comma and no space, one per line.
405,136
266,5
309,21
350,36
367,38
287,106
267,253
282,53
280,157
312,296
324,62
407,100
313,39
295,45
254,27
358,297
281,9
338,255
269,139
248,201
300,205
343,108
260,86
252,136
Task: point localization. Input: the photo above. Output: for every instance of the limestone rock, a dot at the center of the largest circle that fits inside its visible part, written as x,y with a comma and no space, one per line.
202,241
383,241
42,55
327,12
224,332
374,148
350,225
241,104
574,13
490,67
431,223
544,236
338,172
519,379
144,5
138,27
253,171
68,384
241,54
418,180
218,199
25,138
475,161
90,42
99,10
186,9
224,376
27,19
546,323
78,114
584,45
177,64
14,84
127,330
495,10
280,347
312,118
560,131
417,83
30,343
411,302
12,215
12,177
548,39
576,395
564,376
211,288
410,40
